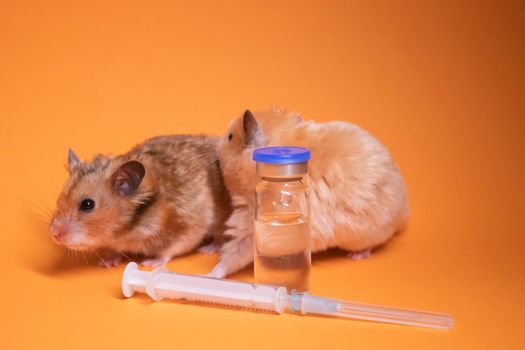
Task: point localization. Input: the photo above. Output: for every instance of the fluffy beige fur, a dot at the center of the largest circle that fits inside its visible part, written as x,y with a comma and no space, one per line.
358,197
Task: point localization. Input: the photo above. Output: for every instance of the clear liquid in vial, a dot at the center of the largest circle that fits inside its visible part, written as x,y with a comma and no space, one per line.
282,250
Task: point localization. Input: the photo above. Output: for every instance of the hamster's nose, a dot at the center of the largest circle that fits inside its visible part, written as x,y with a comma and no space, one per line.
60,231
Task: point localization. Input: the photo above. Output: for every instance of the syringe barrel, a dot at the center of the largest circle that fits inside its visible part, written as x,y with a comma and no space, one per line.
161,283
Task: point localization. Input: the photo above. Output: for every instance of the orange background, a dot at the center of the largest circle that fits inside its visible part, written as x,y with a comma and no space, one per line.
441,84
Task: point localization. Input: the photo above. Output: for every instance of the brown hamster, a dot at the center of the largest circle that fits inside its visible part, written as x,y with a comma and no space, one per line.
159,200
358,198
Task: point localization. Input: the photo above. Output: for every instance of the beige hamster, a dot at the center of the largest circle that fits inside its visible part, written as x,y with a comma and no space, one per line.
358,198
159,200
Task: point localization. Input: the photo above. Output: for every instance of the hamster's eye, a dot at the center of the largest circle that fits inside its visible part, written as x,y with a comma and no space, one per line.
230,136
87,205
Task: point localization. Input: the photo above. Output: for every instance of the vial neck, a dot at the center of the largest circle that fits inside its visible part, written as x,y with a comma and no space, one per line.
286,179
282,171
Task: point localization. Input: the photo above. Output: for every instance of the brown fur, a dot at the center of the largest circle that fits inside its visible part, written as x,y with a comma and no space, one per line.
180,200
357,195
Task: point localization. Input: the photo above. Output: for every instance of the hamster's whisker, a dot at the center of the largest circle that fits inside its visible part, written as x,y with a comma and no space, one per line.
44,211
36,204
106,240
123,255
110,270
40,213
43,219
100,257
86,261
75,256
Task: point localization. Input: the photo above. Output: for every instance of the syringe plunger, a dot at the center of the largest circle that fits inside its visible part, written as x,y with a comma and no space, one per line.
161,283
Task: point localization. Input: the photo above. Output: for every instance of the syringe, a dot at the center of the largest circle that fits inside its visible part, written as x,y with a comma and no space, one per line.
161,283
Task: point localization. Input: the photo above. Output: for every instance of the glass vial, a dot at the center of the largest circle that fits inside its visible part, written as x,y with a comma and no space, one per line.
282,226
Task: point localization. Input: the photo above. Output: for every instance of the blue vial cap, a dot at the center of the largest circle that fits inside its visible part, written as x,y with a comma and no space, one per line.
281,155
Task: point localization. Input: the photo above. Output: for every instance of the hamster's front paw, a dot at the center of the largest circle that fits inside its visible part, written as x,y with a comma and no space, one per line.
218,271
156,262
359,254
111,261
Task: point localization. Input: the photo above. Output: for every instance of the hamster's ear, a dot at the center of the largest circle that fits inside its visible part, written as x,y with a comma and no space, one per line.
127,178
252,132
72,160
